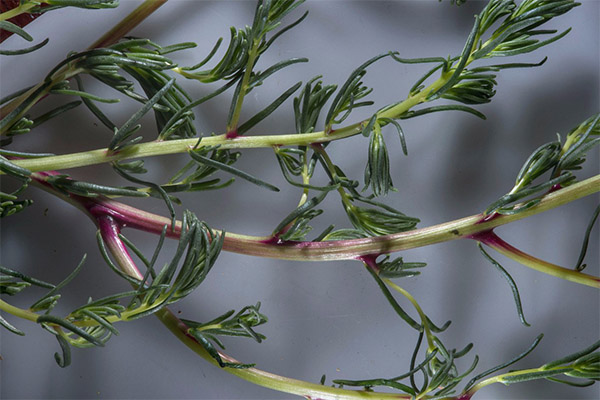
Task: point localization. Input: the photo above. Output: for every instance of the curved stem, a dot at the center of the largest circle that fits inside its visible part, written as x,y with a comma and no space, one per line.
109,229
422,316
495,242
341,249
18,312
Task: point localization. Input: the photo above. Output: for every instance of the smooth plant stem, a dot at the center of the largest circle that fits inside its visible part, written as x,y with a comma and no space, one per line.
331,168
156,148
237,108
495,242
109,229
229,140
268,380
20,9
422,316
18,312
264,246
128,23
500,378
109,38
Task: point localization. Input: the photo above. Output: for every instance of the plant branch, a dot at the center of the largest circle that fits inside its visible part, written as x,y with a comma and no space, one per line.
341,249
492,240
109,38
22,8
109,229
128,23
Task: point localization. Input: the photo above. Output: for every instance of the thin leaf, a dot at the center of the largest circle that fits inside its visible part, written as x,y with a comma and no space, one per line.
232,170
579,265
10,327
126,128
453,107
504,365
511,283
267,110
25,50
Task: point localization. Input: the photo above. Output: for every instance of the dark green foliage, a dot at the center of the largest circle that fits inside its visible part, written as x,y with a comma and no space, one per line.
377,171
511,282
212,163
502,29
349,93
310,102
240,324
9,202
560,158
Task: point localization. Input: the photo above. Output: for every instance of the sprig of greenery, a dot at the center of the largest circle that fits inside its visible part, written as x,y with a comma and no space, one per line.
238,324
559,158
502,29
583,366
37,7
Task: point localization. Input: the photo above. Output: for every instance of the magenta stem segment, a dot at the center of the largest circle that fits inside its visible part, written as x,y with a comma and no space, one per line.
110,229
266,246
489,238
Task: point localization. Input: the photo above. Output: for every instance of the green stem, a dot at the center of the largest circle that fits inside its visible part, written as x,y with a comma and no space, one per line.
235,116
501,378
496,243
20,9
18,312
467,227
266,379
156,148
109,38
331,168
430,342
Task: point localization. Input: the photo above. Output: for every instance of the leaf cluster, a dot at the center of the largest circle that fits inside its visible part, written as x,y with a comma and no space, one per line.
438,371
560,159
240,324
38,7
9,201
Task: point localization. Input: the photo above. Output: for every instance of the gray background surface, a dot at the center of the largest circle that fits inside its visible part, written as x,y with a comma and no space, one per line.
325,318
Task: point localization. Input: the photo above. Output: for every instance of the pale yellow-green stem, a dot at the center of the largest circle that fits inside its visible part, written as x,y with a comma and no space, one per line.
18,312
20,9
501,378
309,390
424,322
546,267
235,117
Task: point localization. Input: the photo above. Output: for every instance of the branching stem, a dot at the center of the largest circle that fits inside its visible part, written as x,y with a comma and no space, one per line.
492,240
110,228
467,227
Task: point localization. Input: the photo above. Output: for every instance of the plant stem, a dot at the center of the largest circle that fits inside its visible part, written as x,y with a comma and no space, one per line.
156,148
500,378
110,228
18,312
20,9
128,23
424,322
495,242
467,227
109,38
237,108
